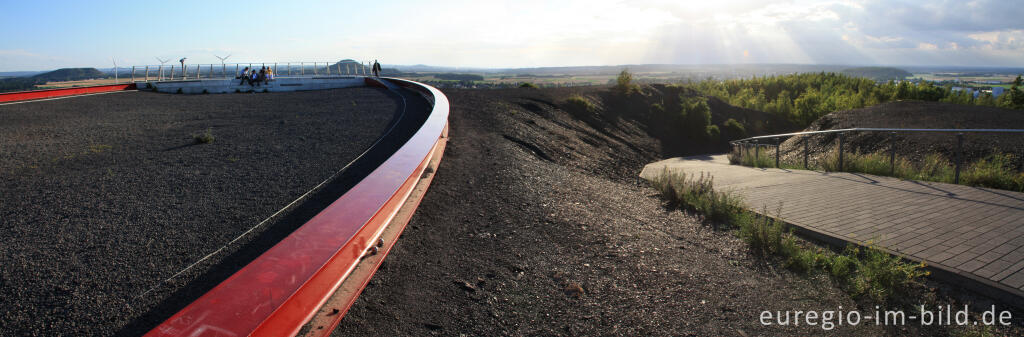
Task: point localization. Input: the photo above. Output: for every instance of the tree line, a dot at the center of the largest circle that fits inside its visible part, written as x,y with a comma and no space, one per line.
803,98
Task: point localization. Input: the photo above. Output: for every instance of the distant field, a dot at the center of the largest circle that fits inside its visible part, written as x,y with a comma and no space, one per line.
1002,78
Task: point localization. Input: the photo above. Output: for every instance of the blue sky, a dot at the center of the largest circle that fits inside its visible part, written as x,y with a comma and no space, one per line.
40,35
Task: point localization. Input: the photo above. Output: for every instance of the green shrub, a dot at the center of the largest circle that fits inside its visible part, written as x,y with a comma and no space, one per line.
764,234
881,275
624,83
696,193
528,85
204,138
733,130
578,106
995,171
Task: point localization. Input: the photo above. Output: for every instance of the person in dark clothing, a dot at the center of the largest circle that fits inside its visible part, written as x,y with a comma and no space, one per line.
244,76
376,68
262,77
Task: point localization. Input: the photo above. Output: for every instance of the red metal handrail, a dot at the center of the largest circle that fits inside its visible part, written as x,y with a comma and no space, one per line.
50,93
282,289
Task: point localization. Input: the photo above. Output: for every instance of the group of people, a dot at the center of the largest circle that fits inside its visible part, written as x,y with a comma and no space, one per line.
254,77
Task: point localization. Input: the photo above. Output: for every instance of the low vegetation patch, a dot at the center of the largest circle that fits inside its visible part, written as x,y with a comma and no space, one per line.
528,85
995,171
864,272
204,138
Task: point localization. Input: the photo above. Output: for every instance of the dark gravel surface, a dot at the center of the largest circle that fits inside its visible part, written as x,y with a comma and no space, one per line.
535,225
104,197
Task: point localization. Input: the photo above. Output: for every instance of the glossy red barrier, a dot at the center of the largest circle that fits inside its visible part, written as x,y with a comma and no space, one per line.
278,292
50,93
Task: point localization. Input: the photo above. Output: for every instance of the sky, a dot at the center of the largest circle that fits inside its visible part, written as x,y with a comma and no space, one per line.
43,35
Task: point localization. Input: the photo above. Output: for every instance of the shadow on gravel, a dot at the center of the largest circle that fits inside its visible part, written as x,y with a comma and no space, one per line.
179,147
404,126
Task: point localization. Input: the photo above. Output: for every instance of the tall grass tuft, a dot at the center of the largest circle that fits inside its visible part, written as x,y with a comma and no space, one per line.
697,193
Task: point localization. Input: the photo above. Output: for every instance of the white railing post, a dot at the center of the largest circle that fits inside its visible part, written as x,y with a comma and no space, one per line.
147,73
339,67
328,69
133,74
171,75
302,68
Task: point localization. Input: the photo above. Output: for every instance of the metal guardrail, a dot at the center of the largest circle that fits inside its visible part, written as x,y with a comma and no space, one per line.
186,71
17,96
745,142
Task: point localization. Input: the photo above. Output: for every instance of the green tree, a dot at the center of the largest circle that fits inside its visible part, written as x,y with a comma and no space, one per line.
624,83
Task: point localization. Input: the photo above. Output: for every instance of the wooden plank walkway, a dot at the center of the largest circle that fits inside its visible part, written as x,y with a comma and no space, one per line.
975,235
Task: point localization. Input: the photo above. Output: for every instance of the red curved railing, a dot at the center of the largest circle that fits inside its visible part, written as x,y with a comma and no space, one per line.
282,289
50,93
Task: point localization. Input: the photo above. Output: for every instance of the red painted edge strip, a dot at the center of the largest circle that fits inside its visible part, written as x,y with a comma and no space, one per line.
50,93
278,292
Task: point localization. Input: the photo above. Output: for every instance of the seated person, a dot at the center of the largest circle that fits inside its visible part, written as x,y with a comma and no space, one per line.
244,75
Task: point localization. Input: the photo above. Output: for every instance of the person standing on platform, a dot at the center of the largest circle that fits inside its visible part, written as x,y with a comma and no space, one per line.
376,68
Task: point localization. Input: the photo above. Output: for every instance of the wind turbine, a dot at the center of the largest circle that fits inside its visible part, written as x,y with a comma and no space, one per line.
223,70
162,62
115,70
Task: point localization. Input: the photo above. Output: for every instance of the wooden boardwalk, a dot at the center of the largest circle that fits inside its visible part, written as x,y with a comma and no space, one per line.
974,235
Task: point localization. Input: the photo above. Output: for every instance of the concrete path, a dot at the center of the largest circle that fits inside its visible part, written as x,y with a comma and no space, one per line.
974,234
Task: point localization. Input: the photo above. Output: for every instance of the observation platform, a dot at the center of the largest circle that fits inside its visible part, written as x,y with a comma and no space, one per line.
232,85
254,214
967,235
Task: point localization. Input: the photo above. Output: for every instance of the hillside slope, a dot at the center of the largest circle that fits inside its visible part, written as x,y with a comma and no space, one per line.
918,114
70,74
535,225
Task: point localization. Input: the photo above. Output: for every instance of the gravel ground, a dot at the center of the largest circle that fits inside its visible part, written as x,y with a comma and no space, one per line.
106,196
535,225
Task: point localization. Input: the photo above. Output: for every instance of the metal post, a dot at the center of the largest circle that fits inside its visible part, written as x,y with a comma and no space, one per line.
147,73
160,73
805,153
777,146
199,71
328,69
115,76
275,68
757,153
339,67
133,74
840,152
302,68
959,156
171,75
892,154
